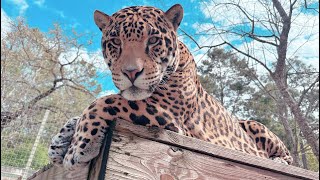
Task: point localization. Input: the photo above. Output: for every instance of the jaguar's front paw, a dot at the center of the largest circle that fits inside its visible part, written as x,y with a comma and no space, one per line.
279,160
84,147
60,142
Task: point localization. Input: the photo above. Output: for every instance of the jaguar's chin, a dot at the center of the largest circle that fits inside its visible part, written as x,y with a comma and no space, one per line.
134,93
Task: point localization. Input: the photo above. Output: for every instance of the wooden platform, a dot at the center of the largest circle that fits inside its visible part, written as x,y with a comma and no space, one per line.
138,152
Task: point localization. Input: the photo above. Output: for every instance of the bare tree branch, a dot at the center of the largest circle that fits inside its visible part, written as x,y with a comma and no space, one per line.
306,6
305,91
200,47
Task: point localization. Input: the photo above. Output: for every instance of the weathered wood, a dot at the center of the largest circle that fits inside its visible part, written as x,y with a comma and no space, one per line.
196,145
132,158
147,153
51,172
98,165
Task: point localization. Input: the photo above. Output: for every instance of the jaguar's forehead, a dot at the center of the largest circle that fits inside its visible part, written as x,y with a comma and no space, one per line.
142,11
134,21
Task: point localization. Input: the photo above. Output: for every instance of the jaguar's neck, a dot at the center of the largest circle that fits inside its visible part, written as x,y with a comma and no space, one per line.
184,82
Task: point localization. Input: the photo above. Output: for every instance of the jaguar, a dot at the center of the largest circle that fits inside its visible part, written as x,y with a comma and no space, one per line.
158,87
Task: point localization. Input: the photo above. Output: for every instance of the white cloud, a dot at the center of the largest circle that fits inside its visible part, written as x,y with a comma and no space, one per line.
22,5
95,57
75,25
60,13
39,3
5,23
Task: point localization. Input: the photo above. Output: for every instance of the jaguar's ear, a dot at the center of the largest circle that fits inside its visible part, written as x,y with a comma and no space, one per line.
101,19
175,14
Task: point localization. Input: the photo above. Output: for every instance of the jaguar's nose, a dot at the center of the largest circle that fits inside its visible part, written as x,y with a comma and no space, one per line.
132,74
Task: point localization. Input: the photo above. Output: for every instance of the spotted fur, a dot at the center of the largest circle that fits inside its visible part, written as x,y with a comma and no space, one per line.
158,83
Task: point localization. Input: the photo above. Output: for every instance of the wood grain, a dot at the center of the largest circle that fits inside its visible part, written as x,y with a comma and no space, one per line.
98,165
132,157
52,172
196,145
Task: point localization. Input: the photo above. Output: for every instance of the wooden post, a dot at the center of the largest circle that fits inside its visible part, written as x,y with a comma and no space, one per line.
98,165
139,152
35,145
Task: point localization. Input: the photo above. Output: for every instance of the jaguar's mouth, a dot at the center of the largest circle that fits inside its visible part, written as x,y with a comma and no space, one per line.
134,93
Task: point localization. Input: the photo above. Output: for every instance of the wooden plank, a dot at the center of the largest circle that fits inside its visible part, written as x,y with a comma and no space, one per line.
133,158
52,172
98,165
196,145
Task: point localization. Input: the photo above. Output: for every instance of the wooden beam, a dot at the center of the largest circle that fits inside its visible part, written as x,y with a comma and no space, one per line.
51,172
133,157
199,146
98,165
139,152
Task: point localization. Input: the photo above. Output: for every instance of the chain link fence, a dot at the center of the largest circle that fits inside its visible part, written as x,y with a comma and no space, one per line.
25,142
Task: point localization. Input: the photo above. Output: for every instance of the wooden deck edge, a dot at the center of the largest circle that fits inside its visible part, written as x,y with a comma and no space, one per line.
40,171
180,141
98,166
199,146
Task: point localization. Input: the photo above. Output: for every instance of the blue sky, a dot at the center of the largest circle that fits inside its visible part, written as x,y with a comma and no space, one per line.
198,18
79,14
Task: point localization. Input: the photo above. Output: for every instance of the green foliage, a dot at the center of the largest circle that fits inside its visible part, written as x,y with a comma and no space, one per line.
227,77
312,161
41,157
17,155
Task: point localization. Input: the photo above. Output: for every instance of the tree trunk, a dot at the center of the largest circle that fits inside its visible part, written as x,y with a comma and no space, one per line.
300,119
303,155
280,74
293,144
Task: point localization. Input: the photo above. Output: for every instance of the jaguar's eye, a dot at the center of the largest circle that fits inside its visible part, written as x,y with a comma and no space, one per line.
116,41
153,40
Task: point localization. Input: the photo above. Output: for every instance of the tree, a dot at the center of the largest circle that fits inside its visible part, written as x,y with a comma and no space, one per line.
228,78
264,27
44,71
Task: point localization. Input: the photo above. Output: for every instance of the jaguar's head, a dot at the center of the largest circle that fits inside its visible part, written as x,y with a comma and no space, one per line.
140,46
